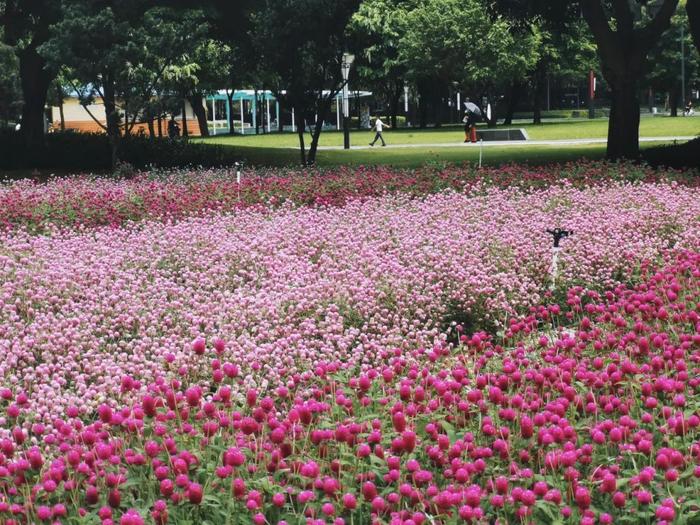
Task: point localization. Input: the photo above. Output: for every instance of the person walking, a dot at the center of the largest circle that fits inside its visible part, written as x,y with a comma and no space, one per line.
379,127
472,114
688,110
173,128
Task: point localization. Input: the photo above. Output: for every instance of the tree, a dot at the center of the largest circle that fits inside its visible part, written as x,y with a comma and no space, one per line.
58,91
25,25
10,90
625,37
375,32
302,42
664,73
117,51
461,40
567,51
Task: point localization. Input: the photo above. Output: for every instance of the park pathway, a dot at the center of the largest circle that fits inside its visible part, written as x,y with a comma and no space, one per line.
563,142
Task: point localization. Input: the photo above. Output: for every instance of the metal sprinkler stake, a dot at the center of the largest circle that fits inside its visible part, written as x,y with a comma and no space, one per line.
239,167
557,235
481,150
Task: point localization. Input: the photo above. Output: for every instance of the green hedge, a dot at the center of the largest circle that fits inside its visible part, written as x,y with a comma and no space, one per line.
685,155
91,151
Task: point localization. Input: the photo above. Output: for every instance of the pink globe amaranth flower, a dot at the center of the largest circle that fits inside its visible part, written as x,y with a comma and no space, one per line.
219,346
105,413
131,517
305,496
666,513
199,346
249,426
328,509
43,513
195,493
378,504
114,498
349,501
643,497
619,499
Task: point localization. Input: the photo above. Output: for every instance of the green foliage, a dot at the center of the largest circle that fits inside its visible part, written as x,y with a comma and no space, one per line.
10,91
123,51
456,40
302,54
91,151
376,31
675,156
664,64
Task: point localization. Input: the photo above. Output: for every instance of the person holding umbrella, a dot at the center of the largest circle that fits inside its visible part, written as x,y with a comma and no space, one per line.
472,114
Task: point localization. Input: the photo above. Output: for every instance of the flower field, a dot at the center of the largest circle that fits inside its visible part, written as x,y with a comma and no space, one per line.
90,201
395,358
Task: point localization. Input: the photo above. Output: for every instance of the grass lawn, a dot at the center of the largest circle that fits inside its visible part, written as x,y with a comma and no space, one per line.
575,129
414,157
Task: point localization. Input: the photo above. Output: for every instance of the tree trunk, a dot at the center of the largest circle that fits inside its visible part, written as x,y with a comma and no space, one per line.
160,127
301,124
257,112
185,132
35,81
623,127
537,109
538,94
112,116
323,108
692,7
61,116
231,119
395,101
513,96
673,97
623,52
151,128
200,112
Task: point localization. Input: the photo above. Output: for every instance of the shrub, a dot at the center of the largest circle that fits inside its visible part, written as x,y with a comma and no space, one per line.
685,155
91,151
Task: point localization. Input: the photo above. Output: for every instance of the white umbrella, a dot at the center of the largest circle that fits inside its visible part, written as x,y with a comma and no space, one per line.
470,107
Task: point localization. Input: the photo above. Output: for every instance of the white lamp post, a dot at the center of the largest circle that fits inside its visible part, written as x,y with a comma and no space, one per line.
346,64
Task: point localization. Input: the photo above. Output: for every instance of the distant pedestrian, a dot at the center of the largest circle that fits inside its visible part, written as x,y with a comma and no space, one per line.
472,114
688,111
173,128
379,127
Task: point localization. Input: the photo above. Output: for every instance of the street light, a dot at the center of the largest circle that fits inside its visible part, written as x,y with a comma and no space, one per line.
346,64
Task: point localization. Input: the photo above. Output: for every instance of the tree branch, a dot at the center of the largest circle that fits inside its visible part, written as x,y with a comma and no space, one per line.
85,106
692,7
649,34
623,15
597,20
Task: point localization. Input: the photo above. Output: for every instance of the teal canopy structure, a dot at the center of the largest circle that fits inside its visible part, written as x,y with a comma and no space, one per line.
246,104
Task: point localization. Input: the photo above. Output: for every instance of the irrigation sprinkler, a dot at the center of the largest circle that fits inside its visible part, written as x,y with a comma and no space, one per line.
557,235
239,167
481,150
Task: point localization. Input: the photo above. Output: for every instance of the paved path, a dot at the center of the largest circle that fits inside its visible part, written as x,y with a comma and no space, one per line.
565,142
